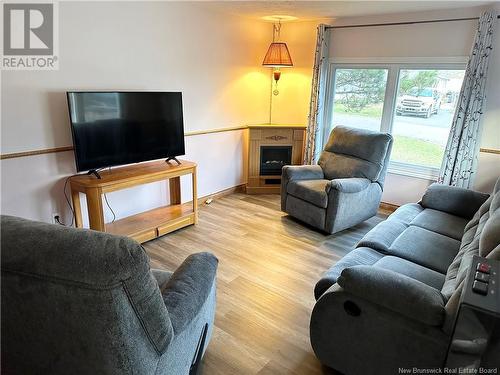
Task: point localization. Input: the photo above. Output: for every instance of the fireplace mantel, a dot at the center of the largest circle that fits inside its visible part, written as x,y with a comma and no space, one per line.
281,144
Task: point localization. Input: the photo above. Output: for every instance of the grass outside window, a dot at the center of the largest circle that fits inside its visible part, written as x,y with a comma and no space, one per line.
417,151
374,110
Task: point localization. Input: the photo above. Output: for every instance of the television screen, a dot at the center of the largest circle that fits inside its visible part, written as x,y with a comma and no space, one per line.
113,128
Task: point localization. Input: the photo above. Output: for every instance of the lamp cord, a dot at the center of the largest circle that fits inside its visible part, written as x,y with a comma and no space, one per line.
271,100
276,31
58,220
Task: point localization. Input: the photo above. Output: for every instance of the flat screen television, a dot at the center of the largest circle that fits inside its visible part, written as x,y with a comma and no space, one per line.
114,128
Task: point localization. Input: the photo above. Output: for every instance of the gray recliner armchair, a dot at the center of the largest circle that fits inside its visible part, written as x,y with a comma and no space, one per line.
86,302
345,187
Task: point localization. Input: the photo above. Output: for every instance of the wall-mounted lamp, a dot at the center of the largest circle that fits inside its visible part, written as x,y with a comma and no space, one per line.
277,56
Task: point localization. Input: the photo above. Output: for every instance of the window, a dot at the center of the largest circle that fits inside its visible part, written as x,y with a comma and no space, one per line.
359,97
425,105
414,103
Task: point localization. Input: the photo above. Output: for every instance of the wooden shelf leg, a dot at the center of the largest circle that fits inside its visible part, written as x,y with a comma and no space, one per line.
95,209
195,196
77,208
175,190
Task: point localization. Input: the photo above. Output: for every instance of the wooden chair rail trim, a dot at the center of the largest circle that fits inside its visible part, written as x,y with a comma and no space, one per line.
13,155
22,154
53,150
490,151
215,130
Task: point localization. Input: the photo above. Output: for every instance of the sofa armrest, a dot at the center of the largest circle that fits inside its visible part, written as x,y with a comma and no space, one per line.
349,185
188,288
297,172
395,292
303,172
162,277
453,200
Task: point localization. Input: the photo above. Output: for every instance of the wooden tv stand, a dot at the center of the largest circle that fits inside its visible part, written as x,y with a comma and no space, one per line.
147,225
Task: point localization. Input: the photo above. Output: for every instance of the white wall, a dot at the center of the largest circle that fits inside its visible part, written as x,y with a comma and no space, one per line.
432,40
214,59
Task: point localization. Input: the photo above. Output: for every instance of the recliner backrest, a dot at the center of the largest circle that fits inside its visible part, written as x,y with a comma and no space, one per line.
481,237
352,152
83,293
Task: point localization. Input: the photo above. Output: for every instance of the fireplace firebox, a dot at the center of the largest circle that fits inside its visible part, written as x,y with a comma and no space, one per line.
273,158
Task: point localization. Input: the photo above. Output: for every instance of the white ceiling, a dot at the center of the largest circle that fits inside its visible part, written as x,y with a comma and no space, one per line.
309,10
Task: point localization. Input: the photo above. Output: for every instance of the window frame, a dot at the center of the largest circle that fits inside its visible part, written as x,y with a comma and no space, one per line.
393,68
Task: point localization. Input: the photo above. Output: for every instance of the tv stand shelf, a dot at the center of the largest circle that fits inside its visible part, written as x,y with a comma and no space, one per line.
147,225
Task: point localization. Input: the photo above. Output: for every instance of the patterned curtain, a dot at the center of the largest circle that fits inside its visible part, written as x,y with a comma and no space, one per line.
460,157
315,119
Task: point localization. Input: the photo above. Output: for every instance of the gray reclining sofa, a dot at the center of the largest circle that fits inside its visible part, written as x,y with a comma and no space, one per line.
391,302
83,302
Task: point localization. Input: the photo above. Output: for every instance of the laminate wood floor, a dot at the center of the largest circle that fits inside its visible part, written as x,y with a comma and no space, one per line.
268,266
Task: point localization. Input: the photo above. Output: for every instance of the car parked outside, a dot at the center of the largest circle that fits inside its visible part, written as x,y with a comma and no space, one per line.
419,101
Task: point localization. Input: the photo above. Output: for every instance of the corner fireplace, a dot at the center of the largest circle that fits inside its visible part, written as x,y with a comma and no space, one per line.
270,147
273,158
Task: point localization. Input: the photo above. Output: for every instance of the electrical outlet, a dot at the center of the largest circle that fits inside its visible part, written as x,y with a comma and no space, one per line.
56,216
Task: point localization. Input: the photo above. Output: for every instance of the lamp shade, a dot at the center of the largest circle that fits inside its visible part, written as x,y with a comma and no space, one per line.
277,55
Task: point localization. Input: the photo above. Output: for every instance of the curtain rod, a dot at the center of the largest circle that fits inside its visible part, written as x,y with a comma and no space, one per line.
405,23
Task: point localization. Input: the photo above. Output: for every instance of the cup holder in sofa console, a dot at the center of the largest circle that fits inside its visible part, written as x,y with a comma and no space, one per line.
351,308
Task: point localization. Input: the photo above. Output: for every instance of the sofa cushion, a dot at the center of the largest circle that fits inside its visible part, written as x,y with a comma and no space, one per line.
490,237
441,222
469,247
360,143
453,200
313,191
394,291
479,238
413,270
353,152
471,241
359,256
427,248
344,166
385,233
407,212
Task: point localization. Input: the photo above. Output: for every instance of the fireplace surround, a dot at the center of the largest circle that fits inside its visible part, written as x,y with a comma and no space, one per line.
270,148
